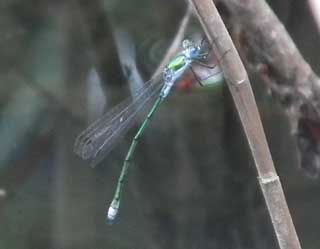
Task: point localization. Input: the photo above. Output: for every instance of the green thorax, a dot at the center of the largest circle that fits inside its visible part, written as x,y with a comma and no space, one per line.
177,63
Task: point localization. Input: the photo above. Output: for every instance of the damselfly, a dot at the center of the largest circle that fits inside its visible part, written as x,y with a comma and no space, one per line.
98,139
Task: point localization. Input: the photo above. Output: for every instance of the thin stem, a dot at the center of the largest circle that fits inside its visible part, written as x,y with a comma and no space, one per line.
240,88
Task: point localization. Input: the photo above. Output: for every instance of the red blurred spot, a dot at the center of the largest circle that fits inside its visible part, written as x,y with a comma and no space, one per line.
186,83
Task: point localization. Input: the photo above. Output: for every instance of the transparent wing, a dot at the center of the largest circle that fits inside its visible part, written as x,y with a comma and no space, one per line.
99,138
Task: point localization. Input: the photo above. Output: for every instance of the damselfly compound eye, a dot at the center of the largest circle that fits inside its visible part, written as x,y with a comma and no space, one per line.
186,44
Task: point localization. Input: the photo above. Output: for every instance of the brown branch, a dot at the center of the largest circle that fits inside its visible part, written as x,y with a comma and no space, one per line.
241,91
269,40
290,77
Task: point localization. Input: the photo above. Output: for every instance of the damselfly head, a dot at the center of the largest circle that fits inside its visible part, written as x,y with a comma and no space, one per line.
187,44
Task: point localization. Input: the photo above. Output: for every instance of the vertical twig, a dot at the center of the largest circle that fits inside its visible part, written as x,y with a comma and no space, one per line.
240,88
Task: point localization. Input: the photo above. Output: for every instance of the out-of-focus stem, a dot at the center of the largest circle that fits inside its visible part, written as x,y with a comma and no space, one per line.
176,43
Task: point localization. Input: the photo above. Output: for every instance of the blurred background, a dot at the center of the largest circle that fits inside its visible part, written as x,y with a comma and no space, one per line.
192,183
